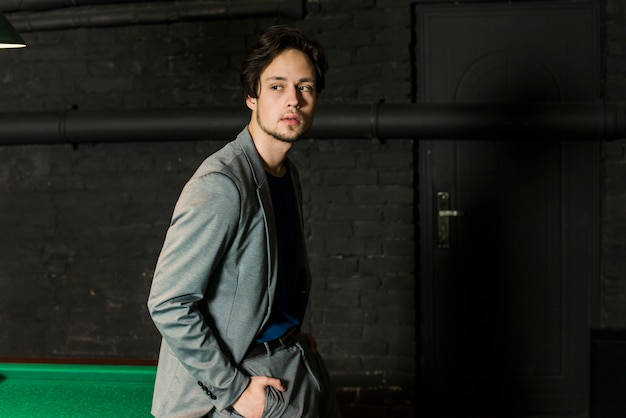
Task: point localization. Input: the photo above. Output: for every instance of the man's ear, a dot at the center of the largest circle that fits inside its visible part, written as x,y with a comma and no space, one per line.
251,103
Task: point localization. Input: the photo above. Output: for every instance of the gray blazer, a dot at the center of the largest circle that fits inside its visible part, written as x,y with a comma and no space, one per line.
215,280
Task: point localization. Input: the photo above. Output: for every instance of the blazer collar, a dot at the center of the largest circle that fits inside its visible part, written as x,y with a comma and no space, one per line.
244,140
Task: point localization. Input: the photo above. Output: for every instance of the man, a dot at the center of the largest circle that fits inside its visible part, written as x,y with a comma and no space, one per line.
231,284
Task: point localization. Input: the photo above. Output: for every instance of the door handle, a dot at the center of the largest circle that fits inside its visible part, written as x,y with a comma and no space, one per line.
450,213
444,213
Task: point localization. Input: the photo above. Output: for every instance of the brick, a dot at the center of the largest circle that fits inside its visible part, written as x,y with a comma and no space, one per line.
354,283
397,334
398,194
397,178
390,363
336,160
402,214
345,247
399,248
330,229
38,53
384,20
336,298
406,349
347,40
354,213
338,316
350,380
381,229
365,347
399,298
103,85
382,265
185,30
344,363
358,176
337,264
398,280
333,194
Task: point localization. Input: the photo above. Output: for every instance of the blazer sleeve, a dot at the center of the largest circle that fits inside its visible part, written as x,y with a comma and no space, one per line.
204,222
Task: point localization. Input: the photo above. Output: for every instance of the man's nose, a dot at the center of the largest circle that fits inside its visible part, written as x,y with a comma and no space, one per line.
293,97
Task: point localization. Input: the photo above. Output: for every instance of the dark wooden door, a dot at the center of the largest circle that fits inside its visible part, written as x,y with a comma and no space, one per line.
508,270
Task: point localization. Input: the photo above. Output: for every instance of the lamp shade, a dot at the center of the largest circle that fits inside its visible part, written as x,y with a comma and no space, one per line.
9,38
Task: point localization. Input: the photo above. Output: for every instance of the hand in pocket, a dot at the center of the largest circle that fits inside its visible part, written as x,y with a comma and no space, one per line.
251,403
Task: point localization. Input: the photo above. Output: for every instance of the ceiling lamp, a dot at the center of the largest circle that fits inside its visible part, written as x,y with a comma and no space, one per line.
9,38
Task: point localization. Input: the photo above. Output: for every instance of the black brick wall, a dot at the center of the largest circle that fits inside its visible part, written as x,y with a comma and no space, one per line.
83,225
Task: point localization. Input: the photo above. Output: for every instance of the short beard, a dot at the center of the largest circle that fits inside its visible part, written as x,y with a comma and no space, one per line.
276,135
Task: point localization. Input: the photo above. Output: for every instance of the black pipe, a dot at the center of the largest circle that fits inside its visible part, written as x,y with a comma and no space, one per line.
592,121
34,5
539,120
109,15
161,125
589,120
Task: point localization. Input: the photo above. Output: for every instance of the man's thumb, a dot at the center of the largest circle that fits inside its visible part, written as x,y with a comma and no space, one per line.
275,383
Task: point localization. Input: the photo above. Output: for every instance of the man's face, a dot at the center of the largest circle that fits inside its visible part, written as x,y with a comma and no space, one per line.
287,97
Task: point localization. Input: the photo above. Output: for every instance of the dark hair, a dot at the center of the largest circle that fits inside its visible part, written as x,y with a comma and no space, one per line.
271,44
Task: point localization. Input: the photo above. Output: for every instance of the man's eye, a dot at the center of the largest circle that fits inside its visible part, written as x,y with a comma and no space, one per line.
276,87
306,88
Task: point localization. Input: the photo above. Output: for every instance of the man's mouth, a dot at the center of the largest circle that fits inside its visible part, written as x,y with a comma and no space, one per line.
291,119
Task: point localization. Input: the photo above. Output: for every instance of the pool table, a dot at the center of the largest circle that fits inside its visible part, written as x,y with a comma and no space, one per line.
75,389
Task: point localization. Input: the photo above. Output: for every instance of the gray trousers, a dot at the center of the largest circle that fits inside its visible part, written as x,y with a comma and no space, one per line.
303,374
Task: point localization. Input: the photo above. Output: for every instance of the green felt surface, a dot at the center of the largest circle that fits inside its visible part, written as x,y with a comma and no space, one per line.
67,390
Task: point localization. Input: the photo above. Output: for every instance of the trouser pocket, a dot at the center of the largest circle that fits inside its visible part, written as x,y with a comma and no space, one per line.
304,377
275,404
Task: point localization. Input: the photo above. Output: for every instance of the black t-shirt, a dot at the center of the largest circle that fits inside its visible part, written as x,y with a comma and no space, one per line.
286,310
